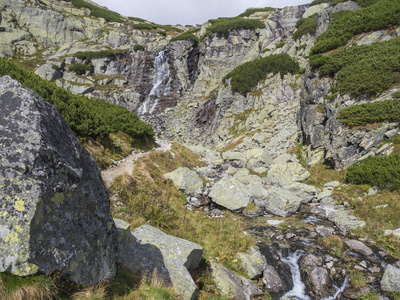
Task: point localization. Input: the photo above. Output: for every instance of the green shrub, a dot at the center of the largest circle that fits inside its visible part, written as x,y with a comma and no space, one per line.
185,36
381,15
98,12
138,47
94,54
368,113
306,25
366,69
281,44
224,25
88,118
136,19
245,77
380,171
80,69
251,11
396,95
163,33
152,26
363,3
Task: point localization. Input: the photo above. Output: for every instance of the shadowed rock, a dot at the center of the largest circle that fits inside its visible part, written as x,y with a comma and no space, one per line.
54,208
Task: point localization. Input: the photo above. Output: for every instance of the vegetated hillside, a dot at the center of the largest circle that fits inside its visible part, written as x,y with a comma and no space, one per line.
90,119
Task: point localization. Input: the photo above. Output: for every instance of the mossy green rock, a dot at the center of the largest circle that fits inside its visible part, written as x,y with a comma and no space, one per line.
54,208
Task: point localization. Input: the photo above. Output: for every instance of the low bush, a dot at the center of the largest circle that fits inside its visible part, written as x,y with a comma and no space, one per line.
224,25
368,113
306,25
185,36
88,118
98,12
152,26
80,69
366,69
245,77
251,11
381,15
363,3
138,47
380,171
94,54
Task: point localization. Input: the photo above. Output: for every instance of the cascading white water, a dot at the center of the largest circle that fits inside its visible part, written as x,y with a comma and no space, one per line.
299,288
161,84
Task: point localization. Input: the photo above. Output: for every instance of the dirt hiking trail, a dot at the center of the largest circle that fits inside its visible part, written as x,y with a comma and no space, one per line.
126,165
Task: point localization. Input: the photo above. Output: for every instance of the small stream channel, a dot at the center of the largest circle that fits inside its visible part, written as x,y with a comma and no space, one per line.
286,241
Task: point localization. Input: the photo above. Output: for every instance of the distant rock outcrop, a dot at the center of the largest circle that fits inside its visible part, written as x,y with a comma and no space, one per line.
54,208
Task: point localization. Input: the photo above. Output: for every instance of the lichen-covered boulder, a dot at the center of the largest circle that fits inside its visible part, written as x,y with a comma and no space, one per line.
144,258
253,262
285,174
233,285
54,208
187,180
391,279
258,160
179,256
281,202
236,193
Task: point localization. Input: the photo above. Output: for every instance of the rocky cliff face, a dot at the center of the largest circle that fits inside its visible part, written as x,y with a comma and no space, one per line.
199,108
54,208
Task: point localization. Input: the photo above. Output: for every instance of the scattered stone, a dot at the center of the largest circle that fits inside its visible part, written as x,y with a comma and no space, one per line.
233,285
374,270
391,279
186,180
364,264
309,262
332,184
281,202
253,262
179,256
397,264
359,247
372,191
285,174
306,192
258,160
272,280
198,201
381,206
318,281
395,233
55,210
325,231
348,222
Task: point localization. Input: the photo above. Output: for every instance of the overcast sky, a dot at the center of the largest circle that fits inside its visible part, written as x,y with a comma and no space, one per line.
189,12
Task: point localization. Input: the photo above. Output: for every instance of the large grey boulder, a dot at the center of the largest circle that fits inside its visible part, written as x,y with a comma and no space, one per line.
233,285
253,262
258,160
186,180
359,247
272,281
140,257
49,72
55,209
318,281
179,256
237,192
285,174
281,202
391,279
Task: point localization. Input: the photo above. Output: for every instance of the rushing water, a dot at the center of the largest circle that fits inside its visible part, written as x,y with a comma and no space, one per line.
161,84
299,289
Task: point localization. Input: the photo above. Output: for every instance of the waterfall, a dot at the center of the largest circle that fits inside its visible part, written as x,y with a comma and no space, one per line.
161,84
299,288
